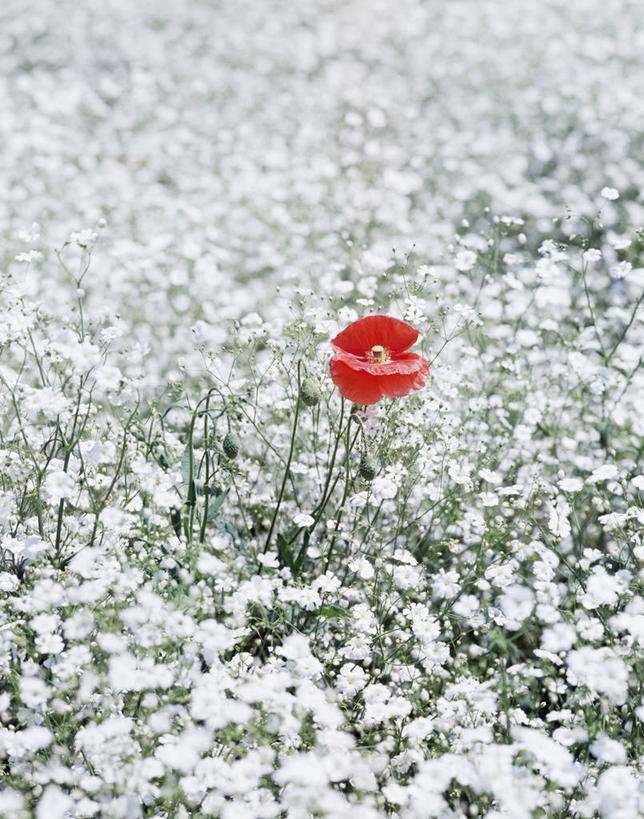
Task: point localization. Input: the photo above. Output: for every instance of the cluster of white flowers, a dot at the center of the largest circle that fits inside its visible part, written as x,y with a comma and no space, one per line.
217,599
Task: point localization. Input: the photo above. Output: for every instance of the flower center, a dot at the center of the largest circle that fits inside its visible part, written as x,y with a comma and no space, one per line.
377,354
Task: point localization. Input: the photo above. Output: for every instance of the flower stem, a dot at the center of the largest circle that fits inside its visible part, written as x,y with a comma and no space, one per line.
288,463
347,482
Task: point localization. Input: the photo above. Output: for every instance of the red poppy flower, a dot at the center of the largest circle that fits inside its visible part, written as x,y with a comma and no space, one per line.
371,360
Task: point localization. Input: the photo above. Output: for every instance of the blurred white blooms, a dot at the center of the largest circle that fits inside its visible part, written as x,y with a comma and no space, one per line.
59,485
303,520
188,218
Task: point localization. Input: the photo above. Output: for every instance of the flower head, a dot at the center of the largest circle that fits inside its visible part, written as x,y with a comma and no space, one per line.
371,360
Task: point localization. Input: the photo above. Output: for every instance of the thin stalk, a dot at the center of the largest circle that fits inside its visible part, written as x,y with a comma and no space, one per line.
345,494
288,463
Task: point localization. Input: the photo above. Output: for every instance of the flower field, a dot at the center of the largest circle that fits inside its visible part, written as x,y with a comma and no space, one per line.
321,409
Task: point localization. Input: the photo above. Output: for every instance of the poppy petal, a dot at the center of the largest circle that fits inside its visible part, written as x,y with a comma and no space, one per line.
402,363
356,386
397,385
362,335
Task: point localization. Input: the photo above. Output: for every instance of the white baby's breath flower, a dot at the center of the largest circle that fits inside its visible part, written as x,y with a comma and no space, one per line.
593,254
351,680
303,520
465,260
570,484
605,472
59,485
621,270
610,193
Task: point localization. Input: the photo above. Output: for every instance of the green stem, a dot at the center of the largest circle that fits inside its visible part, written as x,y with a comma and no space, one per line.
325,497
622,335
206,485
288,463
191,500
345,494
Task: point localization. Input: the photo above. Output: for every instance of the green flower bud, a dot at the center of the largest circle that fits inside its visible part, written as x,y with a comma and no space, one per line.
368,466
230,445
310,392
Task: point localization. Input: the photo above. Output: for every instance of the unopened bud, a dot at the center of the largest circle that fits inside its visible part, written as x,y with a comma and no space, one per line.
310,392
368,466
230,445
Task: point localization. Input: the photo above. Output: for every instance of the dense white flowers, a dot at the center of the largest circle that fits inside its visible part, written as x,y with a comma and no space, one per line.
198,197
601,670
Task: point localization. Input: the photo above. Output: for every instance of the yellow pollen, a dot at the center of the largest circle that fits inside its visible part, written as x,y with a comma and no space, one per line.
377,354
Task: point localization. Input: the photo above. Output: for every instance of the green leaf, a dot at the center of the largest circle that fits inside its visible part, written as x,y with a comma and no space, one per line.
185,466
285,552
302,555
332,612
215,503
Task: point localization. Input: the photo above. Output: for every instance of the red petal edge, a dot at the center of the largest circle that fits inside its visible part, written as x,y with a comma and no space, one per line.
399,364
362,335
363,388
356,386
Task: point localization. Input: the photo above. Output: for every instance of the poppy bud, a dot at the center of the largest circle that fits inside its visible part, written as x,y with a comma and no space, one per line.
230,445
368,466
310,392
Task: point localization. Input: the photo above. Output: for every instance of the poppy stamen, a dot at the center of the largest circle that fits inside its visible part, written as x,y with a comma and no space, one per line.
378,354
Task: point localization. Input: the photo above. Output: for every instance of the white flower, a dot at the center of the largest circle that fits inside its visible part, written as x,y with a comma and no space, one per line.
59,485
555,761
558,522
465,260
500,575
460,473
83,238
560,637
446,584
270,561
608,750
54,804
490,477
362,567
34,692
517,603
592,255
619,794
610,193
350,680
601,670
406,577
303,520
358,648
383,488
621,270
49,643
8,582
570,484
602,589
605,472
28,256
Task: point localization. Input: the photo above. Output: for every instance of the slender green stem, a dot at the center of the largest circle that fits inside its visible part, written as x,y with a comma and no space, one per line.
69,446
191,499
345,494
288,463
320,508
622,335
206,485
591,310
